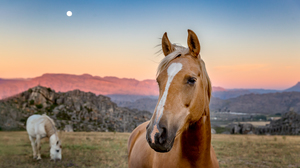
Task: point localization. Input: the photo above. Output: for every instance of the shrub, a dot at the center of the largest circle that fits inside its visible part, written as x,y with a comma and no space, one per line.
31,102
50,109
39,106
63,116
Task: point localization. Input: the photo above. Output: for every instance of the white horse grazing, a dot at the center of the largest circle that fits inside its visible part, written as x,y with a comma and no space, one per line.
41,126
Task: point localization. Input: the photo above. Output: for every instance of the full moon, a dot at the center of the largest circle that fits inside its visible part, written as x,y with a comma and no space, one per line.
69,13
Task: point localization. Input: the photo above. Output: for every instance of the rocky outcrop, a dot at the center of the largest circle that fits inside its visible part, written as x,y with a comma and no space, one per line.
288,124
72,111
242,129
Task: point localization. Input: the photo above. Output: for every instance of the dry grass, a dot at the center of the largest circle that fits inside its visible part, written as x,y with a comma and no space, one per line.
257,151
110,150
254,123
79,150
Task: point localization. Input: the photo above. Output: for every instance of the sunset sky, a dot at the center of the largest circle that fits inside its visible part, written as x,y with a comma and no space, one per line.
245,44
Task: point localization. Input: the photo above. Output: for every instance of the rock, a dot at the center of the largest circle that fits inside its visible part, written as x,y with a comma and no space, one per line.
213,131
83,111
242,128
288,124
68,128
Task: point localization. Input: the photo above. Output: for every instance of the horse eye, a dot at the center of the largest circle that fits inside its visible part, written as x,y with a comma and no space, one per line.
57,151
191,81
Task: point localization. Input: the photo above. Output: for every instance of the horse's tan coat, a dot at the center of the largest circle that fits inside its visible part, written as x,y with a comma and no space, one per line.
186,108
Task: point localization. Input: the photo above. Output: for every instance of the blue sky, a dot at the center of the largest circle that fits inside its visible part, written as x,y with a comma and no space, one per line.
245,44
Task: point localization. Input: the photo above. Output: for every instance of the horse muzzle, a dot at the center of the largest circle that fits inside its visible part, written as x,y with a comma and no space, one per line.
159,138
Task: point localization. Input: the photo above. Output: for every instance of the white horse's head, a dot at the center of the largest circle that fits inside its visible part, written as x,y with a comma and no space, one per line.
55,148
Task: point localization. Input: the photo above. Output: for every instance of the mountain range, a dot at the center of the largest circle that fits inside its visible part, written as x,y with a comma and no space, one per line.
111,86
85,82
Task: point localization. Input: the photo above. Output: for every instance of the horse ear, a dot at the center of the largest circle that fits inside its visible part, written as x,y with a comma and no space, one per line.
166,45
193,43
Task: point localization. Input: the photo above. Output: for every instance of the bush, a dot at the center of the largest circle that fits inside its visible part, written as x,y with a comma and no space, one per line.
31,102
39,112
63,116
39,106
50,109
30,90
220,130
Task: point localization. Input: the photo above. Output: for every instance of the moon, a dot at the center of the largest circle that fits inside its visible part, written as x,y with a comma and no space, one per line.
69,13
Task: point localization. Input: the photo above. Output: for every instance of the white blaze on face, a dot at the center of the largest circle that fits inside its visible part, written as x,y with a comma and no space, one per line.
173,69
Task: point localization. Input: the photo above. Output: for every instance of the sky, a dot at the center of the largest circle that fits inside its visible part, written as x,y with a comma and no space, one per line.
245,44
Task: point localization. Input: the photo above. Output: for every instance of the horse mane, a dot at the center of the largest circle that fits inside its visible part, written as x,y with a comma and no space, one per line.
181,51
49,125
178,51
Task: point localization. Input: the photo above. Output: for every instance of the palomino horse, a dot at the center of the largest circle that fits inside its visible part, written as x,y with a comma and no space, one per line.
179,132
41,126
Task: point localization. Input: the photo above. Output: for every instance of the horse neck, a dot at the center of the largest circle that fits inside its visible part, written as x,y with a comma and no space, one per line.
53,139
49,128
196,141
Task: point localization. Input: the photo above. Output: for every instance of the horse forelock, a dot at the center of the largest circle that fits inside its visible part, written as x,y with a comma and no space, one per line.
181,51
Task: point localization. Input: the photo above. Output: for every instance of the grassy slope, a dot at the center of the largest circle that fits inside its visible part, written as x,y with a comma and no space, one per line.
110,150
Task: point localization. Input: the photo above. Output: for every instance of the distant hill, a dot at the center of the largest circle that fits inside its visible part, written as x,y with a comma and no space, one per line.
232,93
85,82
112,86
218,89
120,89
270,103
295,88
147,104
72,111
128,98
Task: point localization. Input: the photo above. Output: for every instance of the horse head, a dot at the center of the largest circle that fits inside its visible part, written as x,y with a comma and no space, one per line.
55,148
184,93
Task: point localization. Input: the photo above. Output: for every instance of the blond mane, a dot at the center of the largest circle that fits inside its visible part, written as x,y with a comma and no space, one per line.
181,51
49,125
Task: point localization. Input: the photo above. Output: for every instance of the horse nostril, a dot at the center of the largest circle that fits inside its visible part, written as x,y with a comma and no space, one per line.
161,137
57,151
162,140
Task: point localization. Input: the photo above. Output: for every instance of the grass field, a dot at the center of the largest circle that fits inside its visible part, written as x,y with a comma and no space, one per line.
82,149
